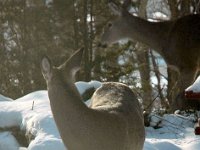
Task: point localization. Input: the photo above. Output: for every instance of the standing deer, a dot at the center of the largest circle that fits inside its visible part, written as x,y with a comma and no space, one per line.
177,41
113,121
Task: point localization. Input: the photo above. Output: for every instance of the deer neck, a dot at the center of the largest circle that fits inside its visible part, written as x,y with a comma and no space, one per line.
68,109
68,95
153,34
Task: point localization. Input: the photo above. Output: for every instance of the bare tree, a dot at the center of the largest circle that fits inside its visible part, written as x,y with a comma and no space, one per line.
143,61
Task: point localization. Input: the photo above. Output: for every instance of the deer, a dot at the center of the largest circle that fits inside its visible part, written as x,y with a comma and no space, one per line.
177,41
113,120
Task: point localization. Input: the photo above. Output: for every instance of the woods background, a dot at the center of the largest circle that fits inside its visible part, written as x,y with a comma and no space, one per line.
30,29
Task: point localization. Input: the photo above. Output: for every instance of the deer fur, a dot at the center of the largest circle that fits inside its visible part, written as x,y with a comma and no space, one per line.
113,121
178,41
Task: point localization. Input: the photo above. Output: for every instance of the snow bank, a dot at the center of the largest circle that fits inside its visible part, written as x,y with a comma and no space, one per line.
83,86
8,141
176,132
32,113
195,87
3,98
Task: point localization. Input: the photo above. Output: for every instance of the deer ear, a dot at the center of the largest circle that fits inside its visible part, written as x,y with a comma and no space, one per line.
115,8
73,64
46,67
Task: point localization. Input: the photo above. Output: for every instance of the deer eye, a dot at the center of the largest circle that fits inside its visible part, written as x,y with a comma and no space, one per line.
109,25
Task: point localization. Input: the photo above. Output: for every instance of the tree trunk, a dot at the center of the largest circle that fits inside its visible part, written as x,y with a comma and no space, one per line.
75,18
87,69
185,7
164,103
143,60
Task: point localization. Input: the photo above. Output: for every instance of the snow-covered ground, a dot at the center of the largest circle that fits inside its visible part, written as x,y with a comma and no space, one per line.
32,113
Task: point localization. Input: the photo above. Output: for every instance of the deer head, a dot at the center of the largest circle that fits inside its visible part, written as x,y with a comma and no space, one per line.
119,28
64,72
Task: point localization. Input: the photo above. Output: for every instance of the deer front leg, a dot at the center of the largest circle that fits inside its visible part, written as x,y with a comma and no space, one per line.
186,78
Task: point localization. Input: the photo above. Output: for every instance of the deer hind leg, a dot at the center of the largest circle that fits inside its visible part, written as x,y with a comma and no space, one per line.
187,77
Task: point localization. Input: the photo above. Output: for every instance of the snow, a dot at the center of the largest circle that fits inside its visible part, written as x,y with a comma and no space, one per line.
32,114
83,86
8,141
4,98
195,87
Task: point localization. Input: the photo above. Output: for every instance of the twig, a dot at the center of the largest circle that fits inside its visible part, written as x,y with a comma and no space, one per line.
169,122
32,105
183,117
149,106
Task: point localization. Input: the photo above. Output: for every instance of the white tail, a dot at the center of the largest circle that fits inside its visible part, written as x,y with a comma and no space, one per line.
177,41
114,120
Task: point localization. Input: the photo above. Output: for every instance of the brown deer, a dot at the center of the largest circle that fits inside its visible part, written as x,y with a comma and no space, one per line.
113,121
177,41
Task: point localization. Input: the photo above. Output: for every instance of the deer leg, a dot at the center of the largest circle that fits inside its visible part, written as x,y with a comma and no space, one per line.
186,78
172,88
